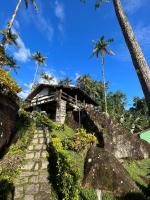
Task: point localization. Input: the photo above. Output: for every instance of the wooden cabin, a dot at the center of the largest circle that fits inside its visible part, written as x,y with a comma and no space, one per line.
57,100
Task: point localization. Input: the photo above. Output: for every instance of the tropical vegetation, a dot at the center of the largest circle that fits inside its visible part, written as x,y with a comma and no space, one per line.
138,59
100,50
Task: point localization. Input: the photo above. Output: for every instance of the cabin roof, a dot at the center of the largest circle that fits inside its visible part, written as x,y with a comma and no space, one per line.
69,89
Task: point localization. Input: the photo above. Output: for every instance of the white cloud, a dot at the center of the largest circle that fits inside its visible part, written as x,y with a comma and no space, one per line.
132,6
44,26
24,93
60,14
77,75
23,54
59,10
39,20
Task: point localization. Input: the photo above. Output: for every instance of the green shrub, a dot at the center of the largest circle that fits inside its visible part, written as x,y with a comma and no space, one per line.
63,174
87,194
82,140
13,160
7,83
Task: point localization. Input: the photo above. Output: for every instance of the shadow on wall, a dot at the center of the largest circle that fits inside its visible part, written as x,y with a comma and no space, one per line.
6,190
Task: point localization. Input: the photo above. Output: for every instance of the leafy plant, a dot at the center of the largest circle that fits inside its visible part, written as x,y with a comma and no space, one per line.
81,141
7,83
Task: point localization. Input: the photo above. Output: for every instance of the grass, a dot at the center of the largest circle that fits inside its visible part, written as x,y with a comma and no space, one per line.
138,169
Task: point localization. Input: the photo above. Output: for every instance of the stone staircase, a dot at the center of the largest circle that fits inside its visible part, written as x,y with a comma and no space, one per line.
33,183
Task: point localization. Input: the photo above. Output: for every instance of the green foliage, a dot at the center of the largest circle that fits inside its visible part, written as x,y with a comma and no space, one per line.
12,161
93,88
7,83
63,173
137,118
42,120
138,170
65,82
82,140
87,194
46,77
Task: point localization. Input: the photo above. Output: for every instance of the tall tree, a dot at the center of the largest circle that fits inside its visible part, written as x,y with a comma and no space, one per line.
65,82
139,62
93,88
46,77
100,50
10,23
39,60
8,38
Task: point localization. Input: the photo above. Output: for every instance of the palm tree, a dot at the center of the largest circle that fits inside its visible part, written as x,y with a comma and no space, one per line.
8,37
39,60
65,82
46,77
138,59
10,23
6,60
100,50
12,64
3,56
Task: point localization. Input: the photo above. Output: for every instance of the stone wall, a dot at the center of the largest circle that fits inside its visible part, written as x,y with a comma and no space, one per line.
61,112
33,183
8,114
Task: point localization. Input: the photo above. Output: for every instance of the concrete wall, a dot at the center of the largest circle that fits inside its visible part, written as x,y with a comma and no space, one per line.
8,113
61,112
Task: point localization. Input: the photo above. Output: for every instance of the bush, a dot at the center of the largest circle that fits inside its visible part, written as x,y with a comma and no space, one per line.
82,140
63,175
7,83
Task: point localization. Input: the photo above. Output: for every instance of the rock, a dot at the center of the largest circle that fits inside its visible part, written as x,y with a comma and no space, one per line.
104,172
37,155
44,164
35,141
34,179
19,192
32,189
29,156
38,147
28,166
43,196
29,197
30,148
113,137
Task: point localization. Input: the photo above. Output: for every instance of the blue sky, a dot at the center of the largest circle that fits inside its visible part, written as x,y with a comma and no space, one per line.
63,30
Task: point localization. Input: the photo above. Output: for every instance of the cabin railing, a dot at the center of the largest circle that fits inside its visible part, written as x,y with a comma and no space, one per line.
56,96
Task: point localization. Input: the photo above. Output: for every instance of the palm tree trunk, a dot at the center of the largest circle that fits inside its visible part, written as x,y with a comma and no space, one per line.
104,86
139,62
37,68
10,24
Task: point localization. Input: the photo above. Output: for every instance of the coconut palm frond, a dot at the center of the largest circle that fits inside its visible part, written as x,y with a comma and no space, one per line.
99,2
33,3
109,52
101,47
9,38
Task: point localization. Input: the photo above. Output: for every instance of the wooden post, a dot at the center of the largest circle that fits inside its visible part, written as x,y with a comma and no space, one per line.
76,99
60,94
84,103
